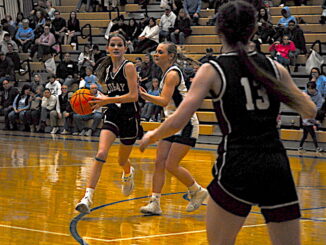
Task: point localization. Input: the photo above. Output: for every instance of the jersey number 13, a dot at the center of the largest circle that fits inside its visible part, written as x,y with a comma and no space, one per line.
261,102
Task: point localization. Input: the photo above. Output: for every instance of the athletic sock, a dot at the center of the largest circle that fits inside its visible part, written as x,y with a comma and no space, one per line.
89,193
195,187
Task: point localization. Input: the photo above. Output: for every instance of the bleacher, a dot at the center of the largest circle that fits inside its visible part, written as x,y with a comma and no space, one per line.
202,37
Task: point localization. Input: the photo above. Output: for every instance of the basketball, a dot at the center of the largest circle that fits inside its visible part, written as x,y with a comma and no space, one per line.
79,102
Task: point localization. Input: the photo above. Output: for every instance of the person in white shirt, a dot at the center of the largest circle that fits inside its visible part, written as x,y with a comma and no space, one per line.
54,85
166,23
48,105
149,38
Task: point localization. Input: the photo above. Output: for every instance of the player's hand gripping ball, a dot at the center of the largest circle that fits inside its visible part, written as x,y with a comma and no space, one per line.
79,102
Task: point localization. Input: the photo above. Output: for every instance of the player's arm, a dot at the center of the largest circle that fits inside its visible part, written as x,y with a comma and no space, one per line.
298,101
206,79
170,82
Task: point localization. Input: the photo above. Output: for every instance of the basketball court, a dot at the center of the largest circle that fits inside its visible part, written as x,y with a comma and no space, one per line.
43,177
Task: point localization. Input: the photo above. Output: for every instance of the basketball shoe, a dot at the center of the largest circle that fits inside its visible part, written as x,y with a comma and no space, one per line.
84,206
153,207
196,199
128,182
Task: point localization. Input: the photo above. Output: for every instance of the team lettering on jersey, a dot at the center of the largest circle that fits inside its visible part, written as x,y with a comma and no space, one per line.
112,87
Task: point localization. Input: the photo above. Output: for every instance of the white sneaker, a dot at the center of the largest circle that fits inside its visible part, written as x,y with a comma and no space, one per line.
54,130
65,132
196,199
83,132
153,207
128,182
89,132
84,206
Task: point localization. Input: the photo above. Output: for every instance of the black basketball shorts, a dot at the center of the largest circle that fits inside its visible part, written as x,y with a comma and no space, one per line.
187,136
245,178
126,126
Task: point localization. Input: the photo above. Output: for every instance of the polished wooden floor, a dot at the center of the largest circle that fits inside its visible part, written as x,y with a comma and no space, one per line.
43,177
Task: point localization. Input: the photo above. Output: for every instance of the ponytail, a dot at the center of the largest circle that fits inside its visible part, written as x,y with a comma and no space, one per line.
102,67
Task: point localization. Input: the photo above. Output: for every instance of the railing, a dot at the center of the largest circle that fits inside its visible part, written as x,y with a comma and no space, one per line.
4,7
112,10
89,35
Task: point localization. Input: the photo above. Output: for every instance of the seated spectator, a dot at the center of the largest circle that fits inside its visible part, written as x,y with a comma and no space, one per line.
98,54
319,79
73,29
149,38
85,59
34,112
88,4
281,50
20,106
44,44
25,36
7,66
7,100
37,82
166,23
59,25
13,55
48,105
67,70
120,27
147,72
208,56
53,85
5,42
11,29
50,10
151,111
79,120
19,20
192,9
284,21
182,28
2,33
133,30
176,6
40,21
89,79
138,64
57,114
265,26
68,117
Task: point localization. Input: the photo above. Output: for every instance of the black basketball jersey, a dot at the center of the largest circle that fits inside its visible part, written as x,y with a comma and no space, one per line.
246,112
117,85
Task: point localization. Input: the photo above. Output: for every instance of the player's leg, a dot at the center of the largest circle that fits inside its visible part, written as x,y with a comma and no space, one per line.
222,226
128,170
107,138
285,233
197,194
153,207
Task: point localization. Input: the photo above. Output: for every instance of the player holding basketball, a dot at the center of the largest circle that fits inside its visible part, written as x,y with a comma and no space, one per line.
171,150
122,118
252,167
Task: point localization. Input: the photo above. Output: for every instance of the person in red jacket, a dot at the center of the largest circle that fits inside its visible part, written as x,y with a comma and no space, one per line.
280,50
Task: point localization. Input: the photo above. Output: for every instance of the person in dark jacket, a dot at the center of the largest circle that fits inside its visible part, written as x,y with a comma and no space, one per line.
182,28
7,67
67,70
7,100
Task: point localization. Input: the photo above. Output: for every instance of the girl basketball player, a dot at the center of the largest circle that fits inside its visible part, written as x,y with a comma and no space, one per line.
171,150
122,118
252,167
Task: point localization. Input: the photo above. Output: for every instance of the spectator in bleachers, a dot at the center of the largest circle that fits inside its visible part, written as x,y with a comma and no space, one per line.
19,20
59,25
85,59
37,82
138,64
25,36
166,23
73,29
176,6
67,70
315,95
208,56
5,42
7,99
88,4
265,26
11,29
50,10
149,38
20,106
40,6
61,105
13,55
120,27
48,105
323,14
2,33
9,19
67,117
319,79
96,115
43,45
182,28
148,71
34,112
89,79
280,50
40,20
284,21
192,9
150,111
53,85
133,30
98,54
7,66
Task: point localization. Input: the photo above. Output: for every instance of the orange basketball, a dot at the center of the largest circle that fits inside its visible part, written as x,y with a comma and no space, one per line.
79,102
